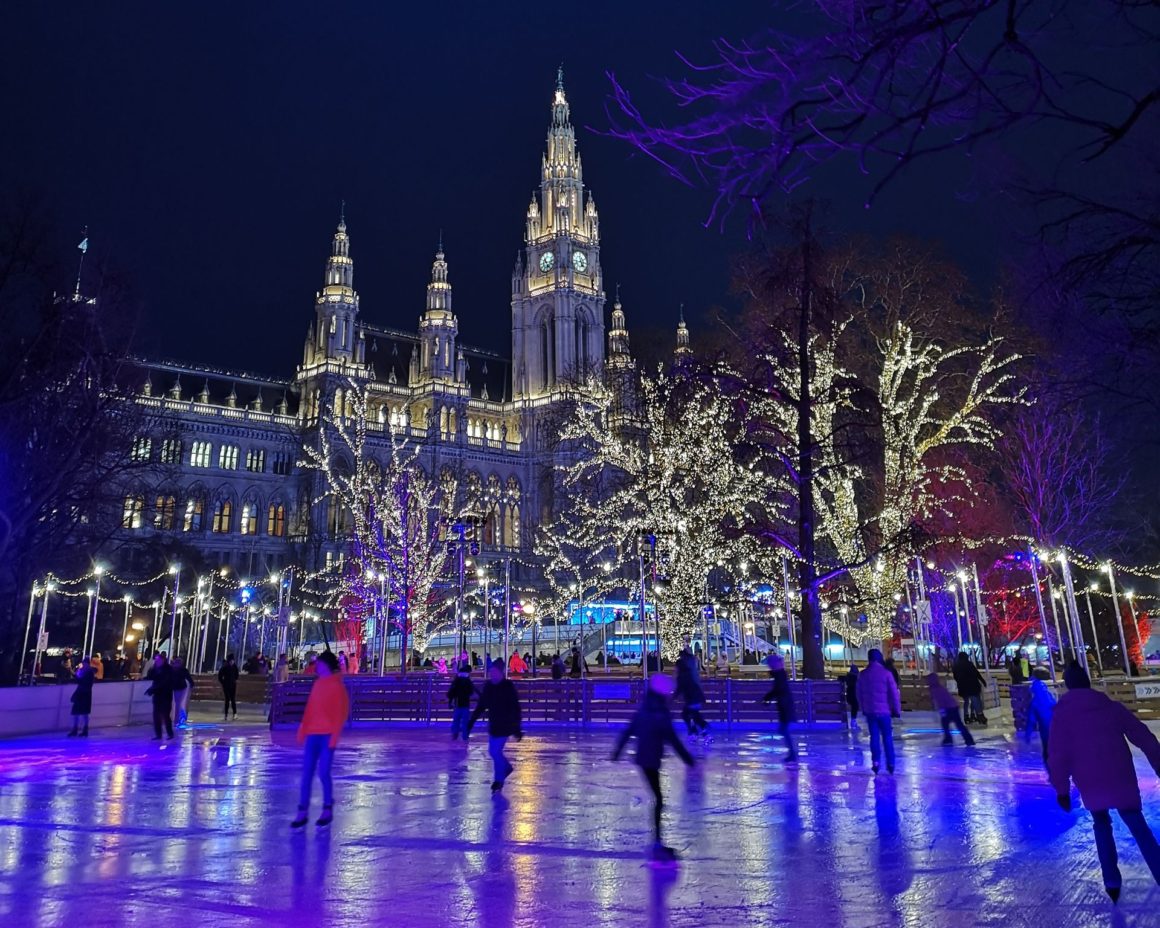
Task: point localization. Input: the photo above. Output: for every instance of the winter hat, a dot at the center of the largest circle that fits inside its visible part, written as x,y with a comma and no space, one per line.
662,684
1076,678
874,655
328,658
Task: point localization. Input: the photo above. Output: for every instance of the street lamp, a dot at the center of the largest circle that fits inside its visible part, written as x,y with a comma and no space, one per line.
1092,618
1119,619
175,572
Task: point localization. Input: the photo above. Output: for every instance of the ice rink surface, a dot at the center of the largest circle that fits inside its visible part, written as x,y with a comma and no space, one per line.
118,830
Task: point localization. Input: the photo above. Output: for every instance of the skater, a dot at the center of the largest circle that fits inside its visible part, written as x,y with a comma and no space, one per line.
282,669
228,678
516,664
652,726
98,664
947,707
1088,732
160,677
1039,713
82,699
327,710
970,685
501,702
850,681
579,664
879,700
182,691
557,667
780,692
690,690
459,696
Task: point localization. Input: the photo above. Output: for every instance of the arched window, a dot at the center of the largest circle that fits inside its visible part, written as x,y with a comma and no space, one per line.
132,511
165,513
511,522
223,512
249,524
276,521
194,513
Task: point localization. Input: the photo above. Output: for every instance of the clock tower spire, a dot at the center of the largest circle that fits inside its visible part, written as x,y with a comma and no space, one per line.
557,291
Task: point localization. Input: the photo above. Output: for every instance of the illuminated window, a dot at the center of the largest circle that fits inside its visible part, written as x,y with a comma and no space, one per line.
282,464
256,460
228,457
249,524
194,510
223,511
200,454
142,449
171,451
132,512
165,513
276,520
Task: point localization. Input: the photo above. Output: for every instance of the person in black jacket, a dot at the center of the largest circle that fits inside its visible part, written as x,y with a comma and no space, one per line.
652,726
501,702
160,677
182,691
780,693
690,690
459,696
850,684
82,699
557,668
970,683
228,678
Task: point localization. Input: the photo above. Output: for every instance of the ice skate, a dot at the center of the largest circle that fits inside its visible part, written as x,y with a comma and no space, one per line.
661,855
326,817
299,820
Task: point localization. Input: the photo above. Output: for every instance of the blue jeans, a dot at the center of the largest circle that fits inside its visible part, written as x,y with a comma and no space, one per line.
880,731
495,748
1106,843
317,755
459,719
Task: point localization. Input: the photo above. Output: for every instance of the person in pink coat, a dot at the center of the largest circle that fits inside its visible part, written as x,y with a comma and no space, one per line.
879,700
1088,743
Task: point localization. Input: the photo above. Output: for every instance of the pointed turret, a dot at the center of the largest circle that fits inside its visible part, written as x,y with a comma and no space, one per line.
438,327
682,334
619,356
335,332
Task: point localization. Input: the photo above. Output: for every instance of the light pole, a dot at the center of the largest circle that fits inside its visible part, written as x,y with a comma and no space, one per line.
28,630
1092,618
175,570
1119,619
507,614
125,624
981,612
1031,557
98,572
482,576
1131,597
1073,612
789,617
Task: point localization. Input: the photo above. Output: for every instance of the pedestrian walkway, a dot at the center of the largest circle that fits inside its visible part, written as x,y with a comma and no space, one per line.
120,831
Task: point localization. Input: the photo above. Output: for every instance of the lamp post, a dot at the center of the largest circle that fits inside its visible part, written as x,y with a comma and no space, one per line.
1031,557
1092,618
1119,619
981,612
28,630
507,614
529,610
1073,612
175,570
125,624
789,617
98,572
1131,597
482,576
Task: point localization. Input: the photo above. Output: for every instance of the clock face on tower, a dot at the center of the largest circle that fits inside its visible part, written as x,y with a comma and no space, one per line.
580,261
547,259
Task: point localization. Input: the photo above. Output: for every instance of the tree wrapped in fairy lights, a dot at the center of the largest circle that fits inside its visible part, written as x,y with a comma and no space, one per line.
394,511
672,468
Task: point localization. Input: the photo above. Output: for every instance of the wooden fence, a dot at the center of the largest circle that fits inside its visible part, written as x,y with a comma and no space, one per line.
596,700
1145,708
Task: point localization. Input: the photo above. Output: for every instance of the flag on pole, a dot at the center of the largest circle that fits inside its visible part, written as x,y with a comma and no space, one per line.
84,245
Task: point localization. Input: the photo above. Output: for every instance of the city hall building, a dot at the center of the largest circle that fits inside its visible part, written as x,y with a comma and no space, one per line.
228,447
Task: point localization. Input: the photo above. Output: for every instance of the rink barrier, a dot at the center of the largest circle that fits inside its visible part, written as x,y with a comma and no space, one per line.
596,700
30,710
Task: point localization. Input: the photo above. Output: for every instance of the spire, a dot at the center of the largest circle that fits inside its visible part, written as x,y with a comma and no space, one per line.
342,216
439,290
560,114
618,350
339,267
562,206
682,334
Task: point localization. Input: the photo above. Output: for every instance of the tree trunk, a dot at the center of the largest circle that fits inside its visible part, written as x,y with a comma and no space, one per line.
813,666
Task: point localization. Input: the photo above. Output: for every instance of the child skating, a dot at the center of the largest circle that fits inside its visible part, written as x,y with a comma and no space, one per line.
459,696
501,702
780,693
326,713
947,707
652,726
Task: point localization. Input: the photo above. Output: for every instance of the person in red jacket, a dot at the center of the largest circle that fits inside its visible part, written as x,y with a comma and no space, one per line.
326,712
1089,744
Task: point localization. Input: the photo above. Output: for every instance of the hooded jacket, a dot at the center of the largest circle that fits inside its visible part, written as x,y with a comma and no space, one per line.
1088,743
940,696
652,726
327,709
877,692
501,702
1041,708
460,691
967,677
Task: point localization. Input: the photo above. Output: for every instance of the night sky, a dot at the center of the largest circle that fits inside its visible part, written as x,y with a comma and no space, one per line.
208,146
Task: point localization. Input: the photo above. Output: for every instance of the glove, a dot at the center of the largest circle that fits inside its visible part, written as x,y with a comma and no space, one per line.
1064,801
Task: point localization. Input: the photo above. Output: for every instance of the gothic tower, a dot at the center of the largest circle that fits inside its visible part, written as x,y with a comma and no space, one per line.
557,285
335,335
438,328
